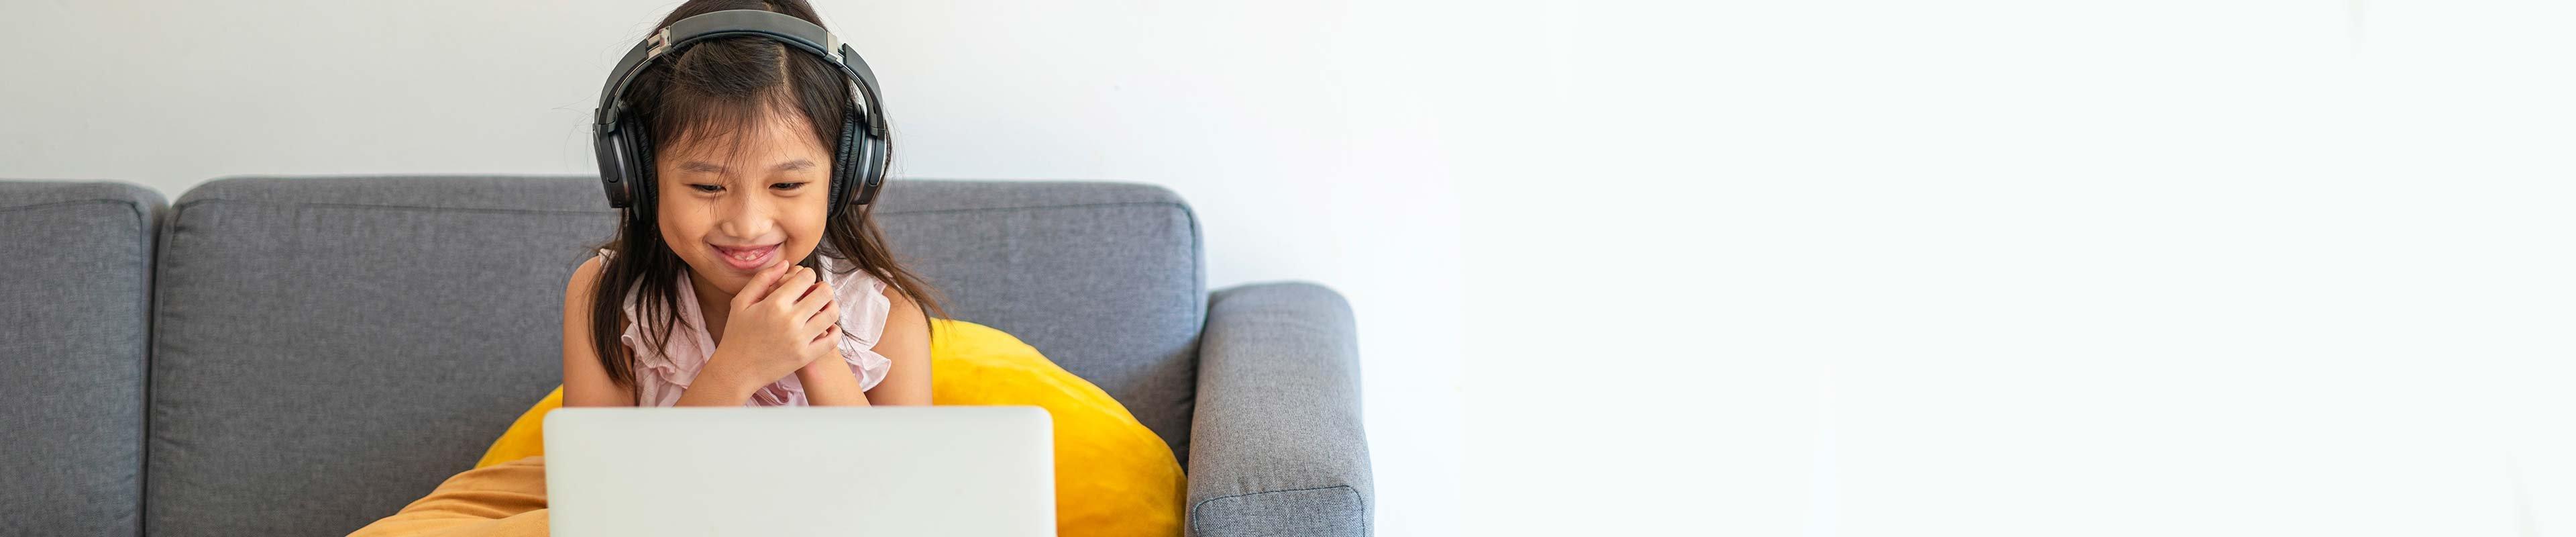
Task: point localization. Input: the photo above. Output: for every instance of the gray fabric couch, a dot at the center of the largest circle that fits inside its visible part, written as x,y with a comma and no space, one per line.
301,356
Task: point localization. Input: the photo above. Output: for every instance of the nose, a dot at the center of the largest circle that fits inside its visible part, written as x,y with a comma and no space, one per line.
746,217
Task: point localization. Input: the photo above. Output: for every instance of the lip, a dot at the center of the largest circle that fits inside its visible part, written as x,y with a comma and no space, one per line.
768,253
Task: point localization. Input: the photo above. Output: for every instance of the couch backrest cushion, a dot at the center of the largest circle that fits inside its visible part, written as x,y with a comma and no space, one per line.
1105,278
331,348
75,263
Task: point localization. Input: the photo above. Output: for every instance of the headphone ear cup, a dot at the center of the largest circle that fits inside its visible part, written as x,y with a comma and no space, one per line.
639,160
875,177
615,148
848,180
868,157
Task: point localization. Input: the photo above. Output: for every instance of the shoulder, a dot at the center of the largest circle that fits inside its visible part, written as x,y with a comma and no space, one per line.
581,289
906,336
903,317
586,276
901,305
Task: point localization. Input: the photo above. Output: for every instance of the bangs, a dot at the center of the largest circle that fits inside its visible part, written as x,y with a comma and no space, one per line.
718,96
720,127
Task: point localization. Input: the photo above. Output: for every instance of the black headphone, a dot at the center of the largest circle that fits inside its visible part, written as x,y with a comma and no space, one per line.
625,147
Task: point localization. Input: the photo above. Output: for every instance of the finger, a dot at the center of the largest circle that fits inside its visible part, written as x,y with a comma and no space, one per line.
775,281
813,303
759,287
818,290
820,284
785,274
831,310
819,320
798,278
829,332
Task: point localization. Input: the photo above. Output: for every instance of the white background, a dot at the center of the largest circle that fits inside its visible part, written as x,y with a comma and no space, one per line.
2042,268
1983,267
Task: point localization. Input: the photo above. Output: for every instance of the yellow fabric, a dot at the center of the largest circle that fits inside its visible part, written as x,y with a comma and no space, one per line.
526,437
500,500
1112,475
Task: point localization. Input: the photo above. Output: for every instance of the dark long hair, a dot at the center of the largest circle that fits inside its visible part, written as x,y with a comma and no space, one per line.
723,88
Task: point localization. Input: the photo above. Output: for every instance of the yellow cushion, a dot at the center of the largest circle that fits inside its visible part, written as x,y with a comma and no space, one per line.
526,437
1112,475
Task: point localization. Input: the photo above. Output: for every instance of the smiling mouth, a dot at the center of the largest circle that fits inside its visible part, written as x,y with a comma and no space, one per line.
747,257
745,254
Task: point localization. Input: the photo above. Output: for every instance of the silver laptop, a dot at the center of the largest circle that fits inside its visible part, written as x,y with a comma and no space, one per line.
961,471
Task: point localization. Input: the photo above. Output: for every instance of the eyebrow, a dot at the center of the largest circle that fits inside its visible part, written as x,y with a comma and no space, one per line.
708,167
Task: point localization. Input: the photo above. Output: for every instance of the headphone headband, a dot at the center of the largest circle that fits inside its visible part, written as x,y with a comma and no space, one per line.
736,22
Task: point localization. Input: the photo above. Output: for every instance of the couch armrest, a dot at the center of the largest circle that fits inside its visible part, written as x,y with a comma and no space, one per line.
1276,446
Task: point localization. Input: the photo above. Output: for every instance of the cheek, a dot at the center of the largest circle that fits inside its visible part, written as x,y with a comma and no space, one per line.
808,236
683,228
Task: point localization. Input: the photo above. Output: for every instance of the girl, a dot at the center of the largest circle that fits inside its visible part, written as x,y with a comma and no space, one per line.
726,283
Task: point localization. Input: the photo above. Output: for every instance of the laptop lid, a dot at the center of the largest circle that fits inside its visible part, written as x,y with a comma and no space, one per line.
961,471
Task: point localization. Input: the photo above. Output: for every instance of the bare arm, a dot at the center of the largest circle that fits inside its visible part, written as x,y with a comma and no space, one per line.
717,386
907,342
585,381
831,380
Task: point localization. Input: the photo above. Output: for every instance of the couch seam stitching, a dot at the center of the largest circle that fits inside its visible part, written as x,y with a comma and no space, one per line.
150,254
1183,208
192,203
1194,508
52,204
163,225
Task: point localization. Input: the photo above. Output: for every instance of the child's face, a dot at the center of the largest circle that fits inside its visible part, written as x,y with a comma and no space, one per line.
765,202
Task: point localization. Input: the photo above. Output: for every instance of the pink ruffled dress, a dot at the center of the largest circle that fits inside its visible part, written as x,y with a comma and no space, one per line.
662,374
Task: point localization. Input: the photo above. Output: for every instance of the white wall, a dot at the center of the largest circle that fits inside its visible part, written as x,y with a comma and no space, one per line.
2034,268
1299,131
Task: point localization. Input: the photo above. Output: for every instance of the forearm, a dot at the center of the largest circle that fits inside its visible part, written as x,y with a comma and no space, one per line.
831,381
717,386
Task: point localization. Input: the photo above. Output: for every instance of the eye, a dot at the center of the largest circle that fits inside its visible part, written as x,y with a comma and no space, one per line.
701,187
789,185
